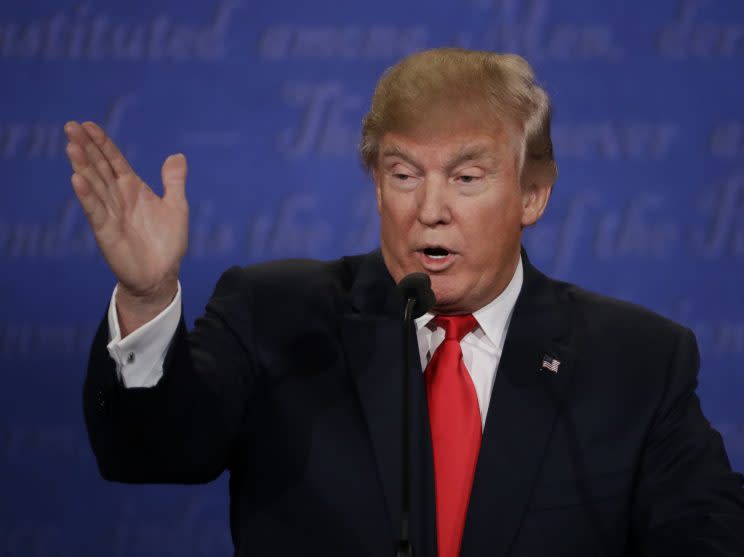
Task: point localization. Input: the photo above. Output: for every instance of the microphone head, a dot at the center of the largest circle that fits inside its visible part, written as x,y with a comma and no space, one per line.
418,287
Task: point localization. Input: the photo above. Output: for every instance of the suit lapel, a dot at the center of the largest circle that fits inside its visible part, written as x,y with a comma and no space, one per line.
372,337
376,374
525,402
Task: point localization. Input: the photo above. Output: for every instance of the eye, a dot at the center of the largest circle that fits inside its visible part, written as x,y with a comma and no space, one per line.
403,179
467,179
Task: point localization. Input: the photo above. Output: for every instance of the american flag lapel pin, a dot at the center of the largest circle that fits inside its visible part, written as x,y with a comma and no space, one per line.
550,363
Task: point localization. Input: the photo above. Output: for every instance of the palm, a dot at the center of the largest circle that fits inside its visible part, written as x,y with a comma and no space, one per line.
147,244
142,236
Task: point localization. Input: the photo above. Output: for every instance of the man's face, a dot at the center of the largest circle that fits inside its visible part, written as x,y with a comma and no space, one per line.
451,206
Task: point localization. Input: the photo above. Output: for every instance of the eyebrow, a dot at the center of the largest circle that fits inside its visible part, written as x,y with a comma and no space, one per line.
395,151
467,153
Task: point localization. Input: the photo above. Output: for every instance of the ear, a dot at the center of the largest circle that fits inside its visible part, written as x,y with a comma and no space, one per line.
535,196
378,188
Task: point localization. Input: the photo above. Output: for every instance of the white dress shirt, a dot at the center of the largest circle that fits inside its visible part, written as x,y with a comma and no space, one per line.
139,357
481,348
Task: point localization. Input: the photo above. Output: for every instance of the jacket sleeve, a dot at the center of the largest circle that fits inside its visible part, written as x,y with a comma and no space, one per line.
688,501
182,429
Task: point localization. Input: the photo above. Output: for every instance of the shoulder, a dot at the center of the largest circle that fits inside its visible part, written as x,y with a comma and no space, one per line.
289,284
617,328
625,350
622,317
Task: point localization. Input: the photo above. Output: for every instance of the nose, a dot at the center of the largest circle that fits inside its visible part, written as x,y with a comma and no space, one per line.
433,202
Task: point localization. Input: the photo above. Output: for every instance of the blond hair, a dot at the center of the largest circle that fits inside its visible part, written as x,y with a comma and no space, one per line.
502,84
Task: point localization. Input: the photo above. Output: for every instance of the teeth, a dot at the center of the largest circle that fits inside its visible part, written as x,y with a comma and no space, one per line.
436,256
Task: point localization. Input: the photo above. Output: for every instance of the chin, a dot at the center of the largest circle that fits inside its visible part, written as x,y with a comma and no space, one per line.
448,300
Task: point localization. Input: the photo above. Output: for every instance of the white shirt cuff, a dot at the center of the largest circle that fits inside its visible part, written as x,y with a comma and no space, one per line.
139,357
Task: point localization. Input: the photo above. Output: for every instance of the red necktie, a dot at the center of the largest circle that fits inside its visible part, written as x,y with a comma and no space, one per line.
455,422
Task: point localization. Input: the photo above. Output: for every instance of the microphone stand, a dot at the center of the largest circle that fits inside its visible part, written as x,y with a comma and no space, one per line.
416,291
404,545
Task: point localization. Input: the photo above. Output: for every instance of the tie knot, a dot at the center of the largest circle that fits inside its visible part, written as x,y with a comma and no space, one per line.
455,326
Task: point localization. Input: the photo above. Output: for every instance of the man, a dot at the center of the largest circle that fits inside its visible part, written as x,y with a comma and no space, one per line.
547,420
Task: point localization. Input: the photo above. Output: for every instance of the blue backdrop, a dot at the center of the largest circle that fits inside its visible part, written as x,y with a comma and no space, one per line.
265,99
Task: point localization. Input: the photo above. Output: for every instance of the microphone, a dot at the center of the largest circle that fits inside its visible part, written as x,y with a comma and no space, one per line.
416,287
419,298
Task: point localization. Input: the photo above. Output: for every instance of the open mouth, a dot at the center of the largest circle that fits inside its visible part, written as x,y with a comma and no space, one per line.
436,253
436,259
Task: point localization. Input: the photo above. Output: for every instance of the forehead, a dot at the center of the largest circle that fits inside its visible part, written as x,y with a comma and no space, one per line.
449,131
446,147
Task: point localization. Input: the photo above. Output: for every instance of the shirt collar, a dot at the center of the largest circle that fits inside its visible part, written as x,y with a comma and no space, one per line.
493,318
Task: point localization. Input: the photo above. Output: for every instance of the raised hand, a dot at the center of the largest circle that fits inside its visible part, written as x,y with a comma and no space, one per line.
142,236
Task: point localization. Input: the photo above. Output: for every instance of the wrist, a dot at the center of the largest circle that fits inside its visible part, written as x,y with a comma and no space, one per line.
134,309
159,295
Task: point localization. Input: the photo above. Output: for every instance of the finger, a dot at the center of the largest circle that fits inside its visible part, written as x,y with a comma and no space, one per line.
80,155
96,157
109,149
103,167
92,206
72,130
81,165
76,134
173,174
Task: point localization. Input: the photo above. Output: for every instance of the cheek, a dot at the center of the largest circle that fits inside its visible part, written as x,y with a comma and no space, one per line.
491,227
395,216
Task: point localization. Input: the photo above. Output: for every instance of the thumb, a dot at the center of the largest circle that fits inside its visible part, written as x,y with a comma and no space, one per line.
173,174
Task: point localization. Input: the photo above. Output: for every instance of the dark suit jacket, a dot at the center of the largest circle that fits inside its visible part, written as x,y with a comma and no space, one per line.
291,381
